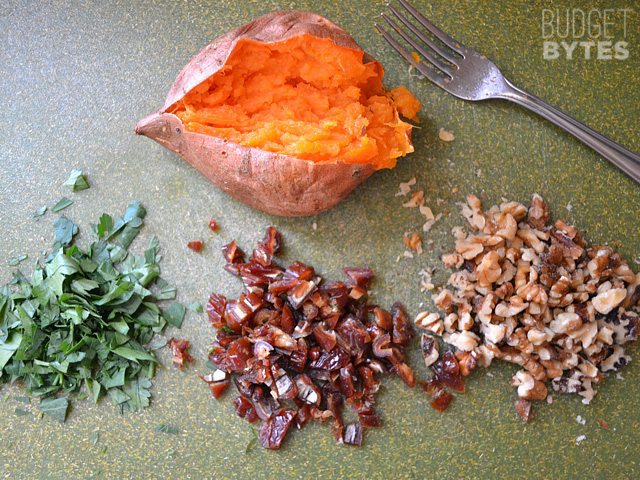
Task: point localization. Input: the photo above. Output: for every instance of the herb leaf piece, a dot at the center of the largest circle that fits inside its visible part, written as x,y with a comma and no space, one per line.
252,442
166,428
174,315
39,212
9,346
63,203
133,354
15,261
64,230
104,226
77,181
196,307
55,408
157,343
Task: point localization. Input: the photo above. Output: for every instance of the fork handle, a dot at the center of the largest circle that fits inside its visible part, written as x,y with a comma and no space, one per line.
624,159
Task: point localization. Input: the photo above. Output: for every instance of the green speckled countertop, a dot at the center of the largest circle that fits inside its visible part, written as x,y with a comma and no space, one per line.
75,78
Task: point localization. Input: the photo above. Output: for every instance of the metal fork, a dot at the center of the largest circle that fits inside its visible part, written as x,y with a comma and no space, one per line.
468,75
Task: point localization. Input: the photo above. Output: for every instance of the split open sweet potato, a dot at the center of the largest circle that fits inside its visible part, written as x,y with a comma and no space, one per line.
287,114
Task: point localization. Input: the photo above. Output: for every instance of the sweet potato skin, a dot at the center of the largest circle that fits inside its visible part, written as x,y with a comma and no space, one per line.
271,182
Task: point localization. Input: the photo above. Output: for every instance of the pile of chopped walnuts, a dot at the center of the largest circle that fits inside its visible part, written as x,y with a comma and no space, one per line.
536,295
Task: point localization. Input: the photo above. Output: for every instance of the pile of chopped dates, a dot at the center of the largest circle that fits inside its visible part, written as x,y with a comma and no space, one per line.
298,348
535,295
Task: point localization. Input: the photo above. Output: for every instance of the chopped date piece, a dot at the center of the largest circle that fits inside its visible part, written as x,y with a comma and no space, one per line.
263,316
383,348
447,371
213,226
232,253
238,353
338,294
367,376
218,382
303,415
402,329
233,315
300,292
245,409
284,388
330,361
195,245
266,407
218,355
360,277
273,431
315,352
353,336
262,349
523,407
308,391
334,405
257,275
287,319
270,246
369,418
353,434
282,339
309,311
440,398
299,271
298,349
347,381
357,293
282,286
215,309
179,354
406,374
383,319
450,364
297,361
326,339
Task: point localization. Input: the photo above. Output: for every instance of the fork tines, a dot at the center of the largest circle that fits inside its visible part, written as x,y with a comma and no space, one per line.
441,50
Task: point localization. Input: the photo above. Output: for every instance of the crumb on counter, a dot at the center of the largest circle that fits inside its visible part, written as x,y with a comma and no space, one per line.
413,242
445,135
415,201
405,187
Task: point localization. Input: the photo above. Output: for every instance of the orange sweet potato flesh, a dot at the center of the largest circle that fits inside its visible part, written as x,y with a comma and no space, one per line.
286,114
306,97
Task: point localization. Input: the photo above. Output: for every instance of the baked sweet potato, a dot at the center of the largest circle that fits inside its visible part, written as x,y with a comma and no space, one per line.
287,114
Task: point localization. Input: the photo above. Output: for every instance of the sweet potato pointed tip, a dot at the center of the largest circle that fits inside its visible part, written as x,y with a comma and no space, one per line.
164,128
148,124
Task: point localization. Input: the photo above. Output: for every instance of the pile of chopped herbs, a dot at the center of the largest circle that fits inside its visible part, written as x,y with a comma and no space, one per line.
84,323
